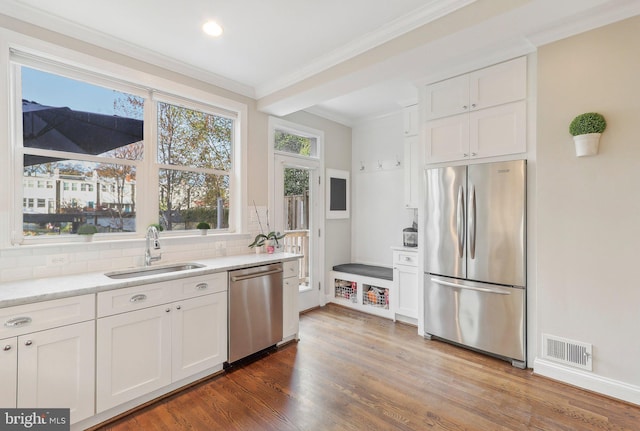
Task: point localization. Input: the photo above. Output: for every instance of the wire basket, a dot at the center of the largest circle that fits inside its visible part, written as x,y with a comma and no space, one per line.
346,289
375,296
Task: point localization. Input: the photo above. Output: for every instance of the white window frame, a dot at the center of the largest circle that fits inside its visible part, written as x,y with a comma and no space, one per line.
78,66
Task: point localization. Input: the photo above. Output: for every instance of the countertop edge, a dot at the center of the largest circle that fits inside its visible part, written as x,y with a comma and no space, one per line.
31,291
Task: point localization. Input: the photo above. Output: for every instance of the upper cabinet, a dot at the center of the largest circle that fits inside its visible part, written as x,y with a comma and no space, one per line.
481,114
411,121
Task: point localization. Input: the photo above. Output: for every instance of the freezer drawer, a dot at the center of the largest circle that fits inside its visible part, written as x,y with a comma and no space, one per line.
483,316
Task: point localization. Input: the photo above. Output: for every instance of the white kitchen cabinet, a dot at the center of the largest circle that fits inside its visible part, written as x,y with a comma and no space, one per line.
146,349
290,296
199,334
411,121
481,114
496,131
412,164
492,86
134,355
56,369
49,359
8,372
405,279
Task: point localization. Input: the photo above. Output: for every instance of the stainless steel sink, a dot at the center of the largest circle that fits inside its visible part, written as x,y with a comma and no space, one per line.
147,271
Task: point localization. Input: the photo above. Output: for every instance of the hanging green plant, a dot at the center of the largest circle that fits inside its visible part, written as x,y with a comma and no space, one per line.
590,122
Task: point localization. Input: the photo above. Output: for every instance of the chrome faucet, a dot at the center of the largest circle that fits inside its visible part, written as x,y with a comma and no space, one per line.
151,240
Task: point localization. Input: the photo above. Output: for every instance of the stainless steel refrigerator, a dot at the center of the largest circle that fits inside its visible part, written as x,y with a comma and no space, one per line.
475,257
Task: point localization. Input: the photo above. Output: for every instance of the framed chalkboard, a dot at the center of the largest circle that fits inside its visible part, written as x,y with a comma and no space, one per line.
337,194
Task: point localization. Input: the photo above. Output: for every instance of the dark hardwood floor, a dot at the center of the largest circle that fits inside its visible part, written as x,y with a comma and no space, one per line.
352,371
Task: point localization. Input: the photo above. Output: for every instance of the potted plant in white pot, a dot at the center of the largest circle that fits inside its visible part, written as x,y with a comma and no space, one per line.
204,227
269,240
87,231
586,130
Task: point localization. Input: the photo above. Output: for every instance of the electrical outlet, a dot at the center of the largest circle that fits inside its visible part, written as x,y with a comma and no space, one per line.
57,259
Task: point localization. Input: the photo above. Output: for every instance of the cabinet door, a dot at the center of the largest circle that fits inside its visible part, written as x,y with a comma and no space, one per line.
496,85
134,355
406,279
56,369
447,139
290,313
446,98
8,372
498,131
199,334
411,126
412,159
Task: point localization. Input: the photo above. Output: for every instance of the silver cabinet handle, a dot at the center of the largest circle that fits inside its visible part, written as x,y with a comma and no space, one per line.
202,286
28,343
138,298
473,105
474,154
17,322
465,107
7,347
465,154
168,310
179,307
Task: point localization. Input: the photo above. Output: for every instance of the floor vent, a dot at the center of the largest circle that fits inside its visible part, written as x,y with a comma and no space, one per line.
567,352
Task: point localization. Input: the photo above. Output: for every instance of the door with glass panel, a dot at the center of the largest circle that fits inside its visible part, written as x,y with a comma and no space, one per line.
296,195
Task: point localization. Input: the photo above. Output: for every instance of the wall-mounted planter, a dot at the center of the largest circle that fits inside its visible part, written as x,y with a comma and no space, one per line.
587,144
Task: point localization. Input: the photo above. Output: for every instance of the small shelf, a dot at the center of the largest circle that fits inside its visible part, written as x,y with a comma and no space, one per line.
367,294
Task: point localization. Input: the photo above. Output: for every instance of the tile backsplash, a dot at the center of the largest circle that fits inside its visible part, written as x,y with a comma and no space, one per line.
42,261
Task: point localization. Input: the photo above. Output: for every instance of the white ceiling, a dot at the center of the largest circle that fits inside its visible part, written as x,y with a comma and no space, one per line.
274,50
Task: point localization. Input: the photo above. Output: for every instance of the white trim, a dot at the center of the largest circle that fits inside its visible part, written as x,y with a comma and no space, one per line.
587,380
430,12
316,165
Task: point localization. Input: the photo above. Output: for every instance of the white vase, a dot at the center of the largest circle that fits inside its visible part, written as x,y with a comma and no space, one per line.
587,145
203,232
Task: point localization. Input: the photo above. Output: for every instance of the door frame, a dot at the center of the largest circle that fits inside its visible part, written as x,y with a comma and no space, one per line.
316,267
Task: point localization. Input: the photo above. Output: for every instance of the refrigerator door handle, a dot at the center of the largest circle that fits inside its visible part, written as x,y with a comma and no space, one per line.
472,222
496,290
460,222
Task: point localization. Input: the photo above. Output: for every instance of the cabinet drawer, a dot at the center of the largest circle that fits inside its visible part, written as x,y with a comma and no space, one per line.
198,286
133,298
290,268
38,316
405,258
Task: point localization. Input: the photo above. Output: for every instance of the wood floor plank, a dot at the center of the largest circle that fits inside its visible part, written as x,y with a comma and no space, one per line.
353,371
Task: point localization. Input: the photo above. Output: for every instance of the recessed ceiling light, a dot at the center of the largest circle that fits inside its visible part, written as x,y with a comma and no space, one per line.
212,28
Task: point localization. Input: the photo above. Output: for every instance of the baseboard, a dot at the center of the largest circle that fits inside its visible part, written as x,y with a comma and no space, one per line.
588,381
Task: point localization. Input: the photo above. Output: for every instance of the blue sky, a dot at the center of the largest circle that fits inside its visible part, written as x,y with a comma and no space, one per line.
54,90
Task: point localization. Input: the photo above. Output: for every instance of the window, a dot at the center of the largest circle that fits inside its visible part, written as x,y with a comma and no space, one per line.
73,132
295,143
82,146
194,161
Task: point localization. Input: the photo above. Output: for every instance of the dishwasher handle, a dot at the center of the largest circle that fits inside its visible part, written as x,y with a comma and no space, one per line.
255,274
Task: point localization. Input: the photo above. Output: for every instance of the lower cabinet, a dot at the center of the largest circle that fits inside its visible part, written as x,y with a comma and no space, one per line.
144,350
405,279
290,312
50,361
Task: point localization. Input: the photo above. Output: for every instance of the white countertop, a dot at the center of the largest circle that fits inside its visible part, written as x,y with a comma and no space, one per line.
44,289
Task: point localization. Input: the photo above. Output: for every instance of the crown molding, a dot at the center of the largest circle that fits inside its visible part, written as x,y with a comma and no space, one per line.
433,10
600,16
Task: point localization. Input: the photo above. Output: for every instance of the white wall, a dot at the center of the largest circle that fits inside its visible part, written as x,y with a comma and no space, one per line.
378,210
589,207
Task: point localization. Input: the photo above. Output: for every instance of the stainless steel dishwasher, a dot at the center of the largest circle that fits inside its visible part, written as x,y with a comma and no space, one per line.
255,309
